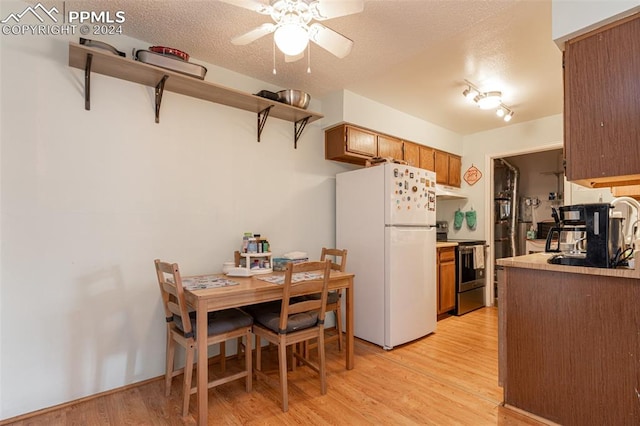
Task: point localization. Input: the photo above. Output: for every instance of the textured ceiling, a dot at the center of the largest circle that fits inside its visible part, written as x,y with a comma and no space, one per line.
410,55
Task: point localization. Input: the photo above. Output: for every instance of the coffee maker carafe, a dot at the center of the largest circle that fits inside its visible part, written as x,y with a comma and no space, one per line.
602,246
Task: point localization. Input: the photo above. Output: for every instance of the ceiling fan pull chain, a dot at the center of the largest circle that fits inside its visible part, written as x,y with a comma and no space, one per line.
274,57
309,58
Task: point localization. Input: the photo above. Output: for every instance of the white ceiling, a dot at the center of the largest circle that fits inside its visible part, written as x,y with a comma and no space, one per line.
412,55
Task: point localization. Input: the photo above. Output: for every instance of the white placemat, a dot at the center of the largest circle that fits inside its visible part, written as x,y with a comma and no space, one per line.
296,278
200,283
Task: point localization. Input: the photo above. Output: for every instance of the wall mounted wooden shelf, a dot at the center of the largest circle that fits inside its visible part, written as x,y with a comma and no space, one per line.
103,62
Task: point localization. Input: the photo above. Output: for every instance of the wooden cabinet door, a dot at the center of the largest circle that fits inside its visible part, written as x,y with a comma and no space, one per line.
389,147
411,153
427,158
602,102
442,167
360,141
455,166
446,279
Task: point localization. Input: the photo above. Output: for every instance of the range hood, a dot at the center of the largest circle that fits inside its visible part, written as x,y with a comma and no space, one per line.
449,193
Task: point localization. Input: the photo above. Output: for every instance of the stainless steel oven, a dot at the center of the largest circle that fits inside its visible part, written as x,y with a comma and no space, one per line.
470,275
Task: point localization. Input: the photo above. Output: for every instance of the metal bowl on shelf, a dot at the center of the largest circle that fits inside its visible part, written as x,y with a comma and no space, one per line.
296,98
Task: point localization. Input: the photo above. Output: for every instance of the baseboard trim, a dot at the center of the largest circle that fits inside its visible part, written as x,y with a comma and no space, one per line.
531,415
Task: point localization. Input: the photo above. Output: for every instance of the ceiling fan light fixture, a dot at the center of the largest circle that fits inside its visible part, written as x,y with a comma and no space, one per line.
488,100
291,38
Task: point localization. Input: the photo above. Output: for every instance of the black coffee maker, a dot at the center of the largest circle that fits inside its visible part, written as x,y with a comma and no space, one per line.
600,250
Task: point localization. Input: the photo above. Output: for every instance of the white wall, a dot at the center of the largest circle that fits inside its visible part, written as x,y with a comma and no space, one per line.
571,18
90,198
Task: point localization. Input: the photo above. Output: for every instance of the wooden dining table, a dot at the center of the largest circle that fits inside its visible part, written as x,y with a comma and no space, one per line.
249,291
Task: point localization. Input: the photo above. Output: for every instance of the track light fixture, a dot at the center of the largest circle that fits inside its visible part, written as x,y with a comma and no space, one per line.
488,100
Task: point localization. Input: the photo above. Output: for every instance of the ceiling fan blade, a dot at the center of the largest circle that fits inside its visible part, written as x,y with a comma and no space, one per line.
294,58
328,9
254,34
260,6
330,40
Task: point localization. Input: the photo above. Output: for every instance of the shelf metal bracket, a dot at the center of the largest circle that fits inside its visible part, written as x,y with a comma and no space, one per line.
87,82
262,119
159,92
298,127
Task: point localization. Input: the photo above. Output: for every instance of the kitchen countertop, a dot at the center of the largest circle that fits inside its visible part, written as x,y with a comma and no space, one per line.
539,261
442,244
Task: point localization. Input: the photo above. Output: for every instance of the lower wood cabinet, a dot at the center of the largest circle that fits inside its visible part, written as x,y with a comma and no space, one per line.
569,345
446,277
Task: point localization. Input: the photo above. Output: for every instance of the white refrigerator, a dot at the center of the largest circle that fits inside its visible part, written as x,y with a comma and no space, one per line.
385,218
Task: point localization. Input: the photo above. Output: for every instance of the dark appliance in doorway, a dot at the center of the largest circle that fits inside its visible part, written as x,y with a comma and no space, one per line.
470,275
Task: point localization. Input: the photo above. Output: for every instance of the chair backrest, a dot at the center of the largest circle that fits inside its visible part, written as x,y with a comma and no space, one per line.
340,258
172,292
291,303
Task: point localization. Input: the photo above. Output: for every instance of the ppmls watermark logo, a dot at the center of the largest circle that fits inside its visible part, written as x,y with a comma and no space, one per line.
41,20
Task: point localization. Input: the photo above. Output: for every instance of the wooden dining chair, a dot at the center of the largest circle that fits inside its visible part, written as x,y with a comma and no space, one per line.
181,329
334,301
298,319
338,259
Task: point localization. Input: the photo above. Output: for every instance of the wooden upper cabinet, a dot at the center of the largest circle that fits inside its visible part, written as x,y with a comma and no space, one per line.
411,153
361,141
350,144
428,158
442,167
447,168
389,147
455,170
602,105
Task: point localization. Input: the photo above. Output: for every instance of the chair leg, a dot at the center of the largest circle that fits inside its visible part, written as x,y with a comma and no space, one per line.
291,353
188,373
258,354
223,356
239,348
168,376
339,327
322,363
247,362
282,358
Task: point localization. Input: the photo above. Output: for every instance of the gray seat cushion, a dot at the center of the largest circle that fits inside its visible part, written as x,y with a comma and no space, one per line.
271,320
256,309
219,322
331,298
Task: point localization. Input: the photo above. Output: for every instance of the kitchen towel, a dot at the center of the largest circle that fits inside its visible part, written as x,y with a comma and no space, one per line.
478,257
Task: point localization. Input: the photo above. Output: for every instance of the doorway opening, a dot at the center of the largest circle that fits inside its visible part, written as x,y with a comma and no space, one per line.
523,188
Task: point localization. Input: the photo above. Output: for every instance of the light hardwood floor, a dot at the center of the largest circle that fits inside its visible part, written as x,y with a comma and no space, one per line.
447,378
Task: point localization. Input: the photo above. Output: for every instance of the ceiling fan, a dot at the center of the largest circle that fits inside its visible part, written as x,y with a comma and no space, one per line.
292,29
